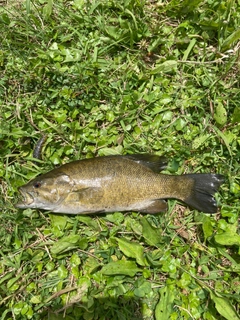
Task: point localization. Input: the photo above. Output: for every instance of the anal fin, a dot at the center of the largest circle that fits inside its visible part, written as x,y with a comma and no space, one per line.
156,206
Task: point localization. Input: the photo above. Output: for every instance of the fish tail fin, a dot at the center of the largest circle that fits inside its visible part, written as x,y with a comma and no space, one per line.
205,185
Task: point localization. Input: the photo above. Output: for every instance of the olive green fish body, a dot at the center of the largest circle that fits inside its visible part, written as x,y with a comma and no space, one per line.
118,183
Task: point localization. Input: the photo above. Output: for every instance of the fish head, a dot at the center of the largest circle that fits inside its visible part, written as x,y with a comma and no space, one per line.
45,192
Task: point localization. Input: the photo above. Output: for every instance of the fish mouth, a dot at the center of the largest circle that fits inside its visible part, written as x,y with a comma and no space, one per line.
26,199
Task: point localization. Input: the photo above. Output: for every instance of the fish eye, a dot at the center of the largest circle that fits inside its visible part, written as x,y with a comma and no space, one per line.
37,185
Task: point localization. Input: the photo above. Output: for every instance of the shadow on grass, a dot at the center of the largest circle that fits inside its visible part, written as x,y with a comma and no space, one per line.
120,308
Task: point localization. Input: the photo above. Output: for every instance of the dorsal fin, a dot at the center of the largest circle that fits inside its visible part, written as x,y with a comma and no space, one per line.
154,162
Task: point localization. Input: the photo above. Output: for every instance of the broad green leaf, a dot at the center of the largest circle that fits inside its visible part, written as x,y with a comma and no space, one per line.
134,224
167,116
180,124
166,99
230,236
65,244
230,136
197,142
12,282
91,265
132,250
18,307
227,239
62,272
113,32
50,266
59,221
151,235
165,67
234,188
116,217
220,114
185,280
36,299
224,307
111,151
89,221
236,115
223,225
164,307
143,289
75,260
121,267
207,227
27,311
4,18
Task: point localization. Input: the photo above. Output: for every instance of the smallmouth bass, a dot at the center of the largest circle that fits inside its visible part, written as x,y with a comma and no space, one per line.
118,183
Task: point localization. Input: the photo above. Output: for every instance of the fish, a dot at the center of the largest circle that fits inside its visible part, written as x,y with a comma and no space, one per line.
118,183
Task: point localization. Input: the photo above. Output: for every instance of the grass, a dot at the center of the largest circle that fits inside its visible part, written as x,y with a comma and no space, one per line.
107,77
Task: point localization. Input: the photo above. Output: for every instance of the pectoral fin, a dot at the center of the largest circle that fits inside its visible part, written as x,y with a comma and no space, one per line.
85,196
156,206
